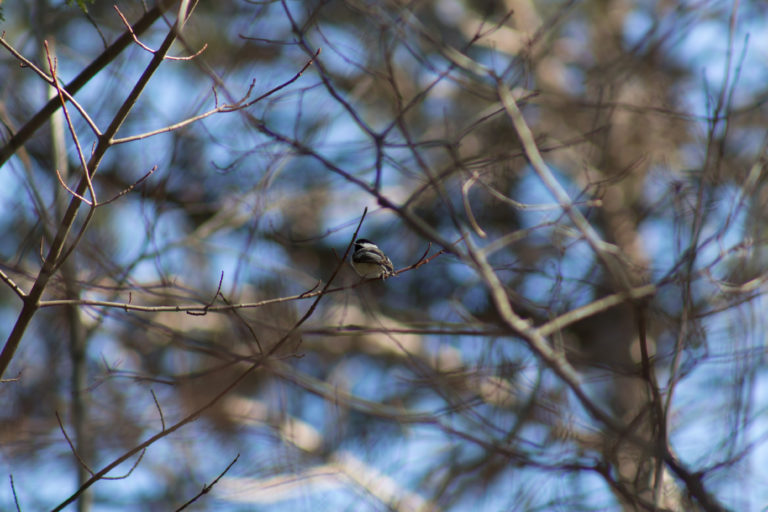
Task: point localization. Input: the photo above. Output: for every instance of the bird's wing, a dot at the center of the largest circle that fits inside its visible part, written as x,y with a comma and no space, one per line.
368,257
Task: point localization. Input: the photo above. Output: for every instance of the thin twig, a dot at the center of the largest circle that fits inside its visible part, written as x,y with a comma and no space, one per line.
207,488
245,323
15,497
130,187
71,445
15,287
159,409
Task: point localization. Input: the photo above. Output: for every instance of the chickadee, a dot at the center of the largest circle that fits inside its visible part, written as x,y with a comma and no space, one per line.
369,261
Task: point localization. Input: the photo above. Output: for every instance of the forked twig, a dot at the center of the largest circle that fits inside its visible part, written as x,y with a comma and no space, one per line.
150,50
240,104
204,311
71,192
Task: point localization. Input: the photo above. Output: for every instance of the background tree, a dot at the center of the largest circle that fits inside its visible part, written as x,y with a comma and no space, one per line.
572,194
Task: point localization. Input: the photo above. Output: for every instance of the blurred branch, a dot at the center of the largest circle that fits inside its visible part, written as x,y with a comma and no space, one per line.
557,362
334,394
226,390
609,254
603,304
101,474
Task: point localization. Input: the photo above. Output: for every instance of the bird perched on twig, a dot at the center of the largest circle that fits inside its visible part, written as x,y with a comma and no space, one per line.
370,262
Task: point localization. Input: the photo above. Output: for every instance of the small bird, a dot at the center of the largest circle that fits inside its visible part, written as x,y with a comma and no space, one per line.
369,261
